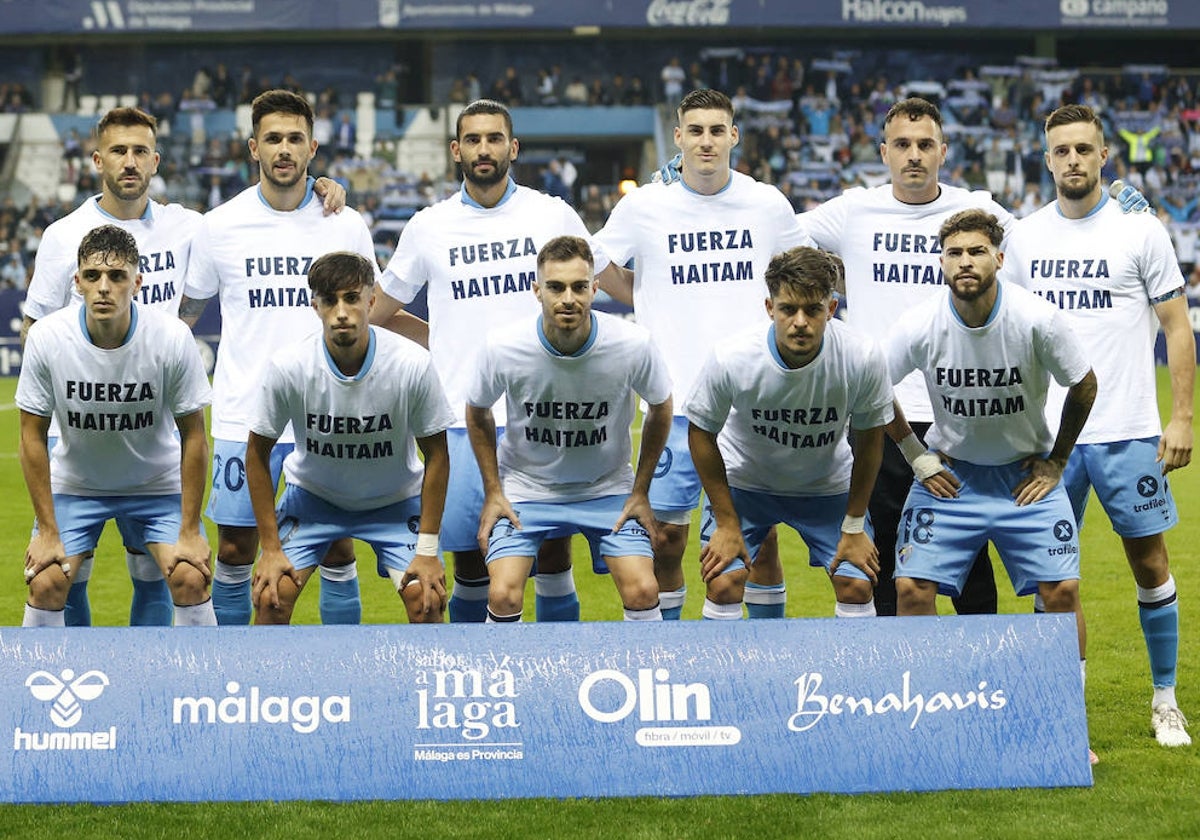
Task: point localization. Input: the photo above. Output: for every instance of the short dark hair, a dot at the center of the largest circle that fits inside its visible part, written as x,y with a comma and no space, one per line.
705,99
810,272
280,102
966,221
914,108
338,271
111,242
564,248
126,118
484,106
1068,114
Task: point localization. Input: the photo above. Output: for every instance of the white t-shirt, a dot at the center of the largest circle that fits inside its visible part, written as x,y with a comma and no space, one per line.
257,259
480,264
783,430
164,238
355,437
892,257
699,262
1102,271
116,408
988,384
568,436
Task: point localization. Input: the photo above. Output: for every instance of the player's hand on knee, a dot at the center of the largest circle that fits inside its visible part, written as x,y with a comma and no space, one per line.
1044,475
495,508
723,547
194,550
43,552
333,195
637,507
272,567
1175,446
859,551
427,572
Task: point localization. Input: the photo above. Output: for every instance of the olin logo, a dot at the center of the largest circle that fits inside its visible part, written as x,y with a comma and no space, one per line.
66,691
609,696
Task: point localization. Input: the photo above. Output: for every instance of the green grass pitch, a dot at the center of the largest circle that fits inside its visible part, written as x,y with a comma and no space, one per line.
1141,790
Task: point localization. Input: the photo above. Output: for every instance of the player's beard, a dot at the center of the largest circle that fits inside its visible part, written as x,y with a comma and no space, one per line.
1071,192
126,192
985,284
300,173
499,173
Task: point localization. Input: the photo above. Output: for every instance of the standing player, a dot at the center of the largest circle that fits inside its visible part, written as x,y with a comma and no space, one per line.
255,251
120,379
768,415
700,246
569,378
888,238
987,351
477,253
1113,275
357,398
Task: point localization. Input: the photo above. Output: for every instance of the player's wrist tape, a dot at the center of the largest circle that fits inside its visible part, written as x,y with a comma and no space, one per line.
854,524
925,464
427,544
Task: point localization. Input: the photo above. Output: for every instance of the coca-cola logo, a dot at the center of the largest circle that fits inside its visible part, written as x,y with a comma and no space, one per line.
688,13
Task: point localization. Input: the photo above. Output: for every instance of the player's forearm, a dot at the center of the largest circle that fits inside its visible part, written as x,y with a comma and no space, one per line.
617,282
656,428
898,429
190,309
1181,364
1075,411
26,323
410,326
193,470
35,466
433,485
481,432
262,491
710,467
868,455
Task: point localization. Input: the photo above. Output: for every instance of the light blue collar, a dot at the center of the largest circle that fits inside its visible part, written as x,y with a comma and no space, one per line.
133,320
470,202
587,345
366,365
308,193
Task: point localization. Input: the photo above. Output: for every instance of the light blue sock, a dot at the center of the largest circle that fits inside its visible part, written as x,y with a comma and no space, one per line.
671,603
231,594
78,612
765,600
340,602
1158,611
555,597
151,605
468,601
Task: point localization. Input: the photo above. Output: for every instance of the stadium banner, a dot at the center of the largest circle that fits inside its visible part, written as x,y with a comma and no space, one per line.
108,17
595,709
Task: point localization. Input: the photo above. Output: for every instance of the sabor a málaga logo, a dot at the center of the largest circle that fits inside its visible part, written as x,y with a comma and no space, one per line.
609,696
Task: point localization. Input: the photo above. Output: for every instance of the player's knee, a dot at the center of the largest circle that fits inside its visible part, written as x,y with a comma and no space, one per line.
554,556
641,593
1060,596
506,597
852,590
187,585
341,553
729,588
414,606
48,589
672,542
237,546
265,613
914,597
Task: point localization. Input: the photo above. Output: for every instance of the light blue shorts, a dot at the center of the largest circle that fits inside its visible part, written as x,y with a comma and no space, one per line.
594,519
140,519
309,525
817,519
1129,484
675,490
229,499
938,538
464,494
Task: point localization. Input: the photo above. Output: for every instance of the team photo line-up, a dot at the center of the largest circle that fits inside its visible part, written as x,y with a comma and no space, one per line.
988,374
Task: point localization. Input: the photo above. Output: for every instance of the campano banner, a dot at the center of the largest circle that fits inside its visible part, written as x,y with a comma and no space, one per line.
580,710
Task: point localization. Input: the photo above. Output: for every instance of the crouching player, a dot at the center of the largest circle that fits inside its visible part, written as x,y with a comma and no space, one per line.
356,398
564,463
767,432
120,379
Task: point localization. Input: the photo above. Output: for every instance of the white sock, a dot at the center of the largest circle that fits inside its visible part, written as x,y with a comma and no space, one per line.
85,569
554,584
197,615
1164,694
339,574
1083,672
228,573
1158,593
141,567
866,610
674,598
36,617
493,618
721,612
652,614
